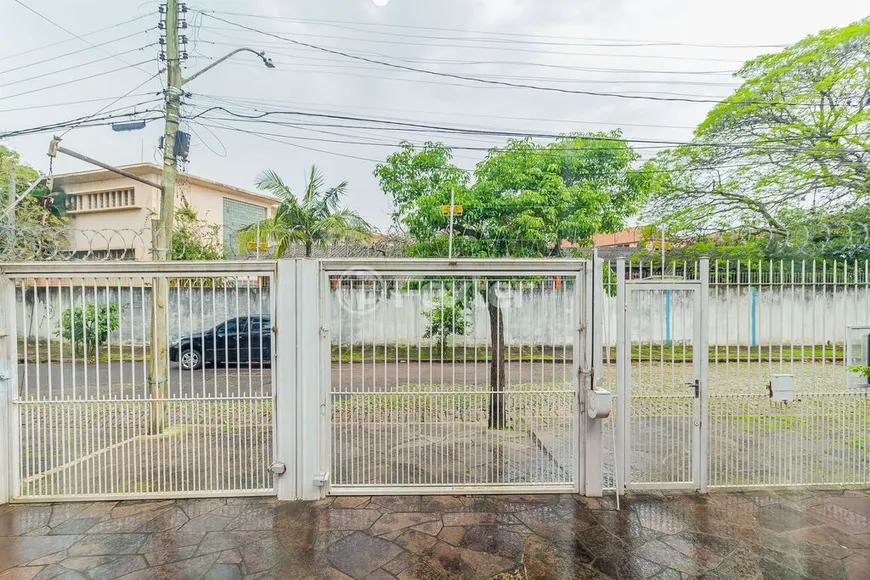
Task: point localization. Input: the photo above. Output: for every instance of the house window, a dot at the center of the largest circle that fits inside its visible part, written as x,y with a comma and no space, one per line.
101,200
237,215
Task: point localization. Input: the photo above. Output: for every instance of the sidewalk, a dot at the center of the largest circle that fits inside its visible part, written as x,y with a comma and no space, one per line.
795,534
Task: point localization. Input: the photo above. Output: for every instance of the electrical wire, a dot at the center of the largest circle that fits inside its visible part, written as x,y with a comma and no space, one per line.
499,133
77,66
283,140
66,54
513,63
99,122
136,88
749,165
469,78
236,101
469,47
59,42
505,34
71,103
71,33
77,80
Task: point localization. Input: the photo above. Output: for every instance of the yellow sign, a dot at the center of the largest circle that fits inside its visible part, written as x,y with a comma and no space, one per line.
263,247
457,209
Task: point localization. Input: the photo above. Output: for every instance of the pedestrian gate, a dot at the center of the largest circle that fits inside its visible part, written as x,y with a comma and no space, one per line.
662,383
455,377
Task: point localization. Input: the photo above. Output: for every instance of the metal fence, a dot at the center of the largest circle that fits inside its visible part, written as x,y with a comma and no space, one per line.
439,412
763,319
88,418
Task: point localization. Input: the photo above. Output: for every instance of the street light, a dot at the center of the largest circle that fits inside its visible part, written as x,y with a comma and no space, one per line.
266,61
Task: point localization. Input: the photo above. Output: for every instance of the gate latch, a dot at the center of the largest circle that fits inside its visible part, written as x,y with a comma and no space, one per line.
320,479
5,375
696,384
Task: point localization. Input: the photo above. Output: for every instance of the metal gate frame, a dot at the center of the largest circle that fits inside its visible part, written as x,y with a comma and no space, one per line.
10,437
587,460
700,361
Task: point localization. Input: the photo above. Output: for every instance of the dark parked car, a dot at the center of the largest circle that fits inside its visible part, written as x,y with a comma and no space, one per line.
246,339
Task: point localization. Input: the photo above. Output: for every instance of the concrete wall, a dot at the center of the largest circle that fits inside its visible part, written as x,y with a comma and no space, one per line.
190,310
739,316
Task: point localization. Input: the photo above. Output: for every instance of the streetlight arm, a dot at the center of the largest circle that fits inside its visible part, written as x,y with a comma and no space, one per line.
261,54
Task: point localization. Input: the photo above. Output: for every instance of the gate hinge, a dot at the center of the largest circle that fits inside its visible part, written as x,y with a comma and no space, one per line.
324,332
4,332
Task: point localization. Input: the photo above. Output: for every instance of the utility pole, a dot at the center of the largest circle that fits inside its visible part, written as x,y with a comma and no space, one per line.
162,234
162,230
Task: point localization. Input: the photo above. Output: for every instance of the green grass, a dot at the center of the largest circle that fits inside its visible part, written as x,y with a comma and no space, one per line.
61,351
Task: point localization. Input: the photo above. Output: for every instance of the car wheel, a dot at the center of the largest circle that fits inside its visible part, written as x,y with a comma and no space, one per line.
190,360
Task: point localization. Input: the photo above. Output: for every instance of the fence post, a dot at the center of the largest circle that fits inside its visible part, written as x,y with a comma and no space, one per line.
286,388
622,453
591,362
8,391
312,445
704,362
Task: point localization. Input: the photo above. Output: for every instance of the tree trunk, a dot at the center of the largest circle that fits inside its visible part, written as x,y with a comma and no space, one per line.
308,249
496,365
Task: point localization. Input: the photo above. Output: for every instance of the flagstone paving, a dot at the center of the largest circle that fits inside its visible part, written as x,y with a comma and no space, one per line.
795,534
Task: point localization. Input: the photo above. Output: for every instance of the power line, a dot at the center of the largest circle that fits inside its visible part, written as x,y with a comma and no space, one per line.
467,47
53,44
70,103
608,70
71,33
74,81
77,66
498,133
77,123
265,134
136,88
506,34
260,102
66,54
274,138
285,70
489,81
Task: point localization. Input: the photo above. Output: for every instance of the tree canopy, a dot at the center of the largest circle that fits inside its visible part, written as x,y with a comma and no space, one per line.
314,219
525,199
794,136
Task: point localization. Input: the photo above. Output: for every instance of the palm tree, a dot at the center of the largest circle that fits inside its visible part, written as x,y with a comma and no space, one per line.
315,219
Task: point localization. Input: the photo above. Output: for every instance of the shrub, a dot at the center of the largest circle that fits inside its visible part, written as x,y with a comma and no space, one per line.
90,326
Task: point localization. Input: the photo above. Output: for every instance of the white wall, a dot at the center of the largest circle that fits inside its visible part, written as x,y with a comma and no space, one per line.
531,318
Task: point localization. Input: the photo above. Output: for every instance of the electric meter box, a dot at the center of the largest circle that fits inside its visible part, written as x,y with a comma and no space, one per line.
782,388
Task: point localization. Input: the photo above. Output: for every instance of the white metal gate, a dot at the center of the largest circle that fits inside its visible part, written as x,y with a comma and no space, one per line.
661,378
85,418
417,400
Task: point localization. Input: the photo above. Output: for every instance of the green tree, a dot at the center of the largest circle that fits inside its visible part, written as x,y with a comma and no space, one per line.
447,317
525,201
90,326
193,238
794,136
39,218
315,219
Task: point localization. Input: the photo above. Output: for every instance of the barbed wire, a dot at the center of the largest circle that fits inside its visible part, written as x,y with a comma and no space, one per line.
29,242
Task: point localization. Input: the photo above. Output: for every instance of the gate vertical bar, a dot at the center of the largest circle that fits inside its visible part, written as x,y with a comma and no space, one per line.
623,382
284,384
587,480
703,372
592,345
9,440
310,390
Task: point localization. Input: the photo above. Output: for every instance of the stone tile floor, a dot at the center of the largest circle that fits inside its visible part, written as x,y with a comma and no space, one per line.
796,534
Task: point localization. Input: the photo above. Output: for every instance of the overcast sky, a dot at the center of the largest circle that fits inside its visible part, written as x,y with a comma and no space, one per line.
608,46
